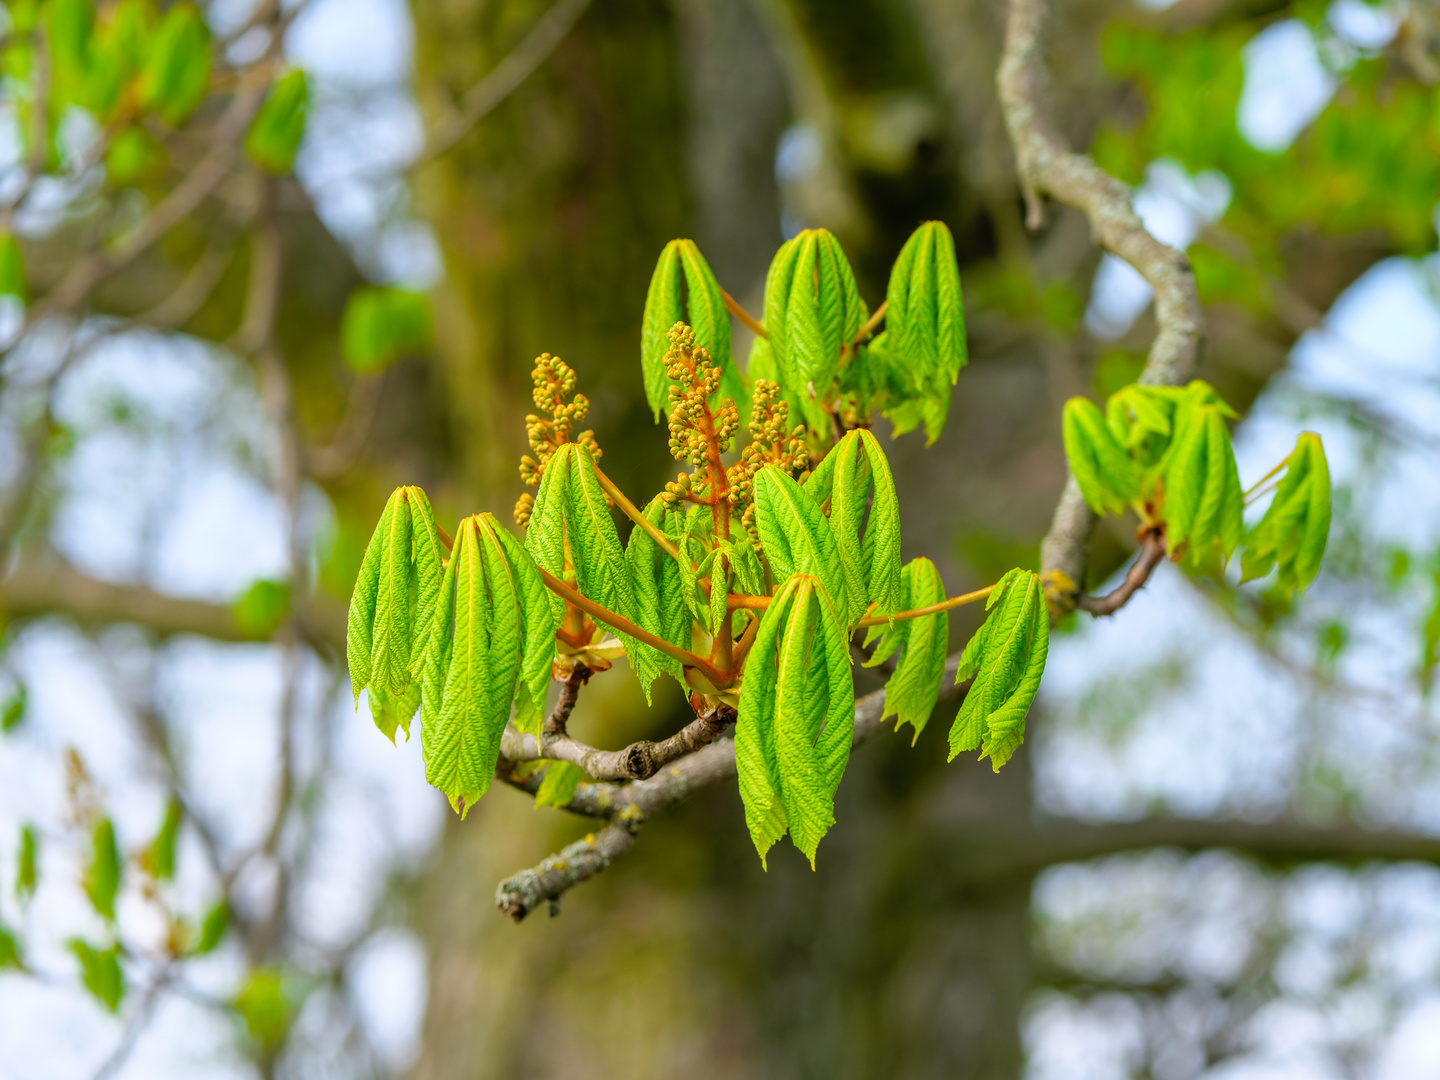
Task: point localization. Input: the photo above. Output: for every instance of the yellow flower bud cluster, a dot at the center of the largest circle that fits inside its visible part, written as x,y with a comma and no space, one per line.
554,382
772,442
696,431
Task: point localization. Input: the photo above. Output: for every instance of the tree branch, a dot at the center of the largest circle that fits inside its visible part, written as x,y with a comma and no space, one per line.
44,584
1025,849
1046,164
1151,552
628,806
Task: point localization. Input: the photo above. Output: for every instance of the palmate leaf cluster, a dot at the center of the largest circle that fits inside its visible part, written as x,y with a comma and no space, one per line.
747,581
1166,453
481,622
818,344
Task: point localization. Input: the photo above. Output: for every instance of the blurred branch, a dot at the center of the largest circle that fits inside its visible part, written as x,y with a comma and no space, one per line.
1047,165
1024,850
42,584
495,87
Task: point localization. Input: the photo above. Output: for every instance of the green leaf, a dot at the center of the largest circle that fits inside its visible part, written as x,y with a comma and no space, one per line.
12,269
538,623
392,608
646,561
1295,528
925,320
472,666
1203,503
684,289
1006,658
1135,413
266,1007
133,157
914,687
1108,476
177,67
27,864
796,719
545,533
100,972
380,325
212,929
812,310
12,712
558,786
261,608
276,131
102,877
159,858
10,956
594,542
863,492
794,534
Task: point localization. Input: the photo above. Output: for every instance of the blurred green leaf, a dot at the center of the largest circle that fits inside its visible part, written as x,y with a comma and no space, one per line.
159,858
27,863
212,929
102,878
10,951
261,608
559,784
380,325
177,66
13,711
100,972
265,1007
134,156
12,268
275,134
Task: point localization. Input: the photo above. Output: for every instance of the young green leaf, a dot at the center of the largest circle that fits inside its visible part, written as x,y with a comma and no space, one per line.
925,320
159,858
275,134
646,561
1203,503
392,609
100,972
1293,532
558,785
863,491
684,289
1135,413
1006,658
177,65
793,734
914,687
471,667
796,537
27,864
538,623
812,310
1108,477
102,876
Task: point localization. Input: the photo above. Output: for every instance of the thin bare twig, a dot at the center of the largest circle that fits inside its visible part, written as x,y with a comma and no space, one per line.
507,75
1152,551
